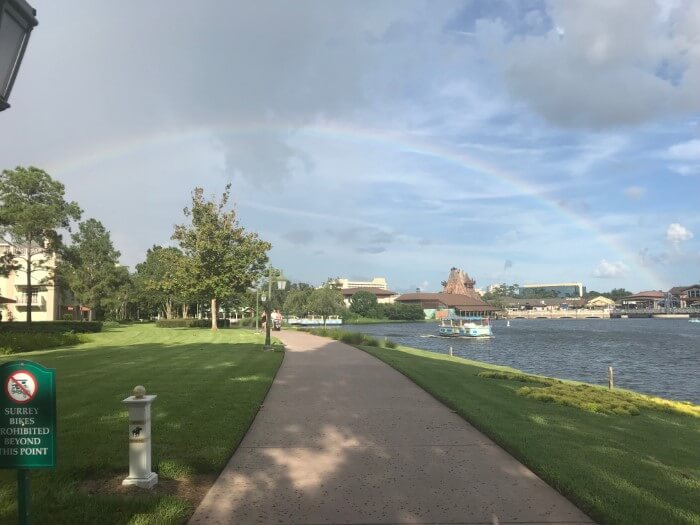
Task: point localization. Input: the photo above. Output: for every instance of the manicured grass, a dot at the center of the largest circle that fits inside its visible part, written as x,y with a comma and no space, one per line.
209,387
618,468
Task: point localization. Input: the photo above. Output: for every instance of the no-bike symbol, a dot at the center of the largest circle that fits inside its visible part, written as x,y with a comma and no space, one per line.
21,386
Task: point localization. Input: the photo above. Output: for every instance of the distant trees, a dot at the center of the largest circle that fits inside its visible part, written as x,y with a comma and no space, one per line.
32,209
223,256
90,266
364,304
615,294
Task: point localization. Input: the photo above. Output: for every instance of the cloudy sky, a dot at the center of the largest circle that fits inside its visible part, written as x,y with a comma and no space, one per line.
523,141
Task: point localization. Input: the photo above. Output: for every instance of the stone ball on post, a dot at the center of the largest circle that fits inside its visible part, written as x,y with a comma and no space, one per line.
139,391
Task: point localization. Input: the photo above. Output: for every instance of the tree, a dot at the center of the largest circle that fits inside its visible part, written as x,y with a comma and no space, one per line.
326,301
91,266
364,303
297,302
32,208
224,257
161,278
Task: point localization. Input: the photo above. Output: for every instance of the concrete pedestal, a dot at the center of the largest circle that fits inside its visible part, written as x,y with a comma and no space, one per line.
140,473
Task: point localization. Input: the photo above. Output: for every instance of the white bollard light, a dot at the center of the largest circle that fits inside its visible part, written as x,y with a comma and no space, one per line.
139,406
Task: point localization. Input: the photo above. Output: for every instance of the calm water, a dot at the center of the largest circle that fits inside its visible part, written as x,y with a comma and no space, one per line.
654,356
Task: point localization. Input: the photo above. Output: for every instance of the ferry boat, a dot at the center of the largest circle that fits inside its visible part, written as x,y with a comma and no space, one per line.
315,320
695,320
456,326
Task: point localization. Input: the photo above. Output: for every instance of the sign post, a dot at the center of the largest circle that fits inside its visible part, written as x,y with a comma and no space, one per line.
27,424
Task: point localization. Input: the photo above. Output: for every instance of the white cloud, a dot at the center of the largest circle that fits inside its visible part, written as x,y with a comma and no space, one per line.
676,233
603,64
685,150
686,170
610,269
635,192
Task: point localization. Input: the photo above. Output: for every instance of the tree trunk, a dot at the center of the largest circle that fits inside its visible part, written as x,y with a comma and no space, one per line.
184,311
214,314
168,310
29,281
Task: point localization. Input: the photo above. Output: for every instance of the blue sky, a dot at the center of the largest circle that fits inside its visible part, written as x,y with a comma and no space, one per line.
521,141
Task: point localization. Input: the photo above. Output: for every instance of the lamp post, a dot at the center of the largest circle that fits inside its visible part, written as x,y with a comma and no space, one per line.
17,19
281,284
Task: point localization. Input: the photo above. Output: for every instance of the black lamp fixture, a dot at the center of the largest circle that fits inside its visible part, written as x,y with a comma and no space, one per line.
17,19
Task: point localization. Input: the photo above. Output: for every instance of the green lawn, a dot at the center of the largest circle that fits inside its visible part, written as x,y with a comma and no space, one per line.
209,387
620,469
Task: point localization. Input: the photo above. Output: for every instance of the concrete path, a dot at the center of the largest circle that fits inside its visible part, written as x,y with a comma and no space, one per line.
344,438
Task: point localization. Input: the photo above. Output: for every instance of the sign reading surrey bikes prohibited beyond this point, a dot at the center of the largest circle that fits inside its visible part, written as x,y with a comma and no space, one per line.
27,416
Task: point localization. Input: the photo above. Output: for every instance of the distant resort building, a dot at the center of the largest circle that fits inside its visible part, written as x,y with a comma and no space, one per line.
378,283
687,296
383,296
652,299
561,289
45,296
600,302
458,296
551,304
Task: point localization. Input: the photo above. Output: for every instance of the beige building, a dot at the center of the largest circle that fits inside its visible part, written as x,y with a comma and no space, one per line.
46,304
378,283
601,302
383,296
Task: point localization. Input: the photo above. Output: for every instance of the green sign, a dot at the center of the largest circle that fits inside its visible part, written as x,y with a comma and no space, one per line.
27,416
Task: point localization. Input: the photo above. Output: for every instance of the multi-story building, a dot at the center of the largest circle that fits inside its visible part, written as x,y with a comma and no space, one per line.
562,290
46,303
378,283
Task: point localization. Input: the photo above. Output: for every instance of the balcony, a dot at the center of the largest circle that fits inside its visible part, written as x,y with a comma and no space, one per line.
38,303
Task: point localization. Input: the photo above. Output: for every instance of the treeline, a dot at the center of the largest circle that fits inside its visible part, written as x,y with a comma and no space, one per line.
215,262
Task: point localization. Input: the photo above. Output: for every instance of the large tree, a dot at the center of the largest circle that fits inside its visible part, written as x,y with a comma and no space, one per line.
297,302
224,257
162,279
364,303
326,301
91,266
32,209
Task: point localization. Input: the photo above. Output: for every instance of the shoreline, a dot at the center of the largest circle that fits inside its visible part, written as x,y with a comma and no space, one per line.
606,451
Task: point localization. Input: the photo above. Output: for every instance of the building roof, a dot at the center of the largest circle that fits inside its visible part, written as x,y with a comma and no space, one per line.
600,299
451,300
650,294
677,290
6,300
376,291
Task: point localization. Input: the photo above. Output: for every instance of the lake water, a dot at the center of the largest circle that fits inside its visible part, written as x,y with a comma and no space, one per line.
654,356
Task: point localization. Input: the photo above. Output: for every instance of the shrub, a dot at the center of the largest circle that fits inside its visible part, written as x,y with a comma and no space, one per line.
191,323
16,342
67,317
390,344
110,324
52,327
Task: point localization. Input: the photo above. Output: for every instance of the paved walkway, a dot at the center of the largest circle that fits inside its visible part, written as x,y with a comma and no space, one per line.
344,438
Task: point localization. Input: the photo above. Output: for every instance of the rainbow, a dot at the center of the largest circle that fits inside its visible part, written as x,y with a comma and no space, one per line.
343,132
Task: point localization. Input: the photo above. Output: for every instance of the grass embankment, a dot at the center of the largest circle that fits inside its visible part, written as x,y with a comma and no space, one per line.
619,468
209,387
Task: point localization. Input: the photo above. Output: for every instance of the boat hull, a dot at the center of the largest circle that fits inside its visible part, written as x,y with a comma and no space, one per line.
465,331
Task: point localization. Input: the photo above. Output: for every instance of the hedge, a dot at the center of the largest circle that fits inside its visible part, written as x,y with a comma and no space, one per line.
15,342
191,323
52,327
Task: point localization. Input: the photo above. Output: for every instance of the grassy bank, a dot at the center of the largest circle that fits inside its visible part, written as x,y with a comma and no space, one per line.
633,467
209,387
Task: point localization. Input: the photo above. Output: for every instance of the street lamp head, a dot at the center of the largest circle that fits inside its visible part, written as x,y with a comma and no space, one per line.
263,298
17,19
281,283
